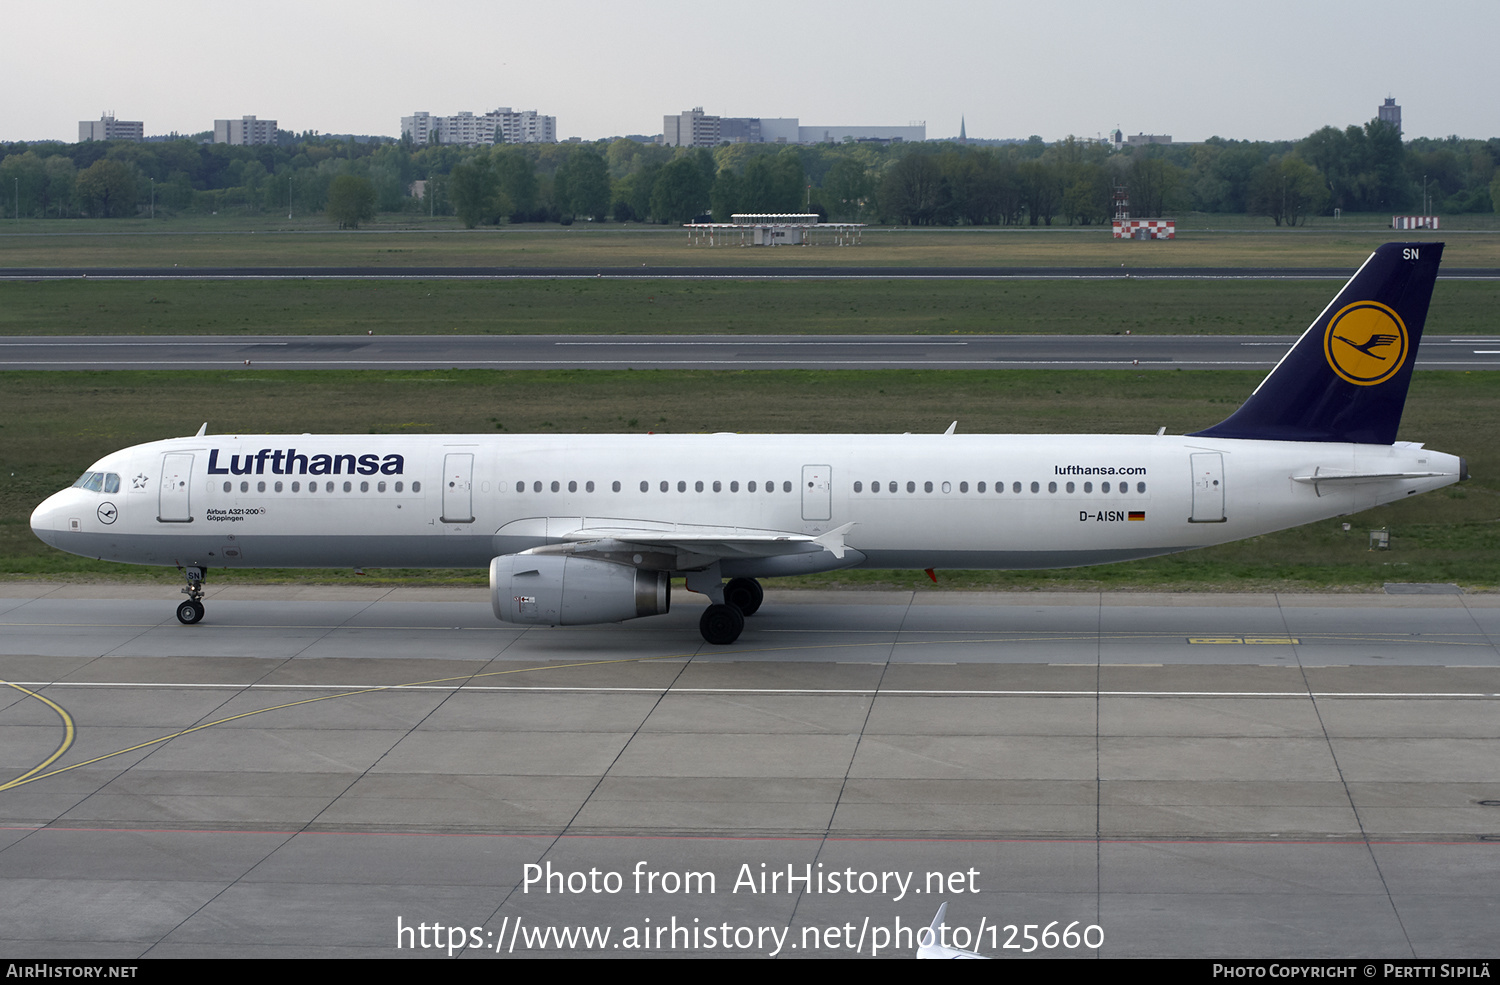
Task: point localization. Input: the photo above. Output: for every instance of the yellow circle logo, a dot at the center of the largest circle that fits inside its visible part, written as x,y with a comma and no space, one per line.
1366,343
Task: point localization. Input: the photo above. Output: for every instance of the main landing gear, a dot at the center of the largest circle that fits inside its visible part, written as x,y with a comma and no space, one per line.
191,611
724,619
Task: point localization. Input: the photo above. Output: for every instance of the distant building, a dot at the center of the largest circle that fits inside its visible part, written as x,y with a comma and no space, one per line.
844,135
498,126
109,128
1390,113
691,128
1118,139
695,128
247,131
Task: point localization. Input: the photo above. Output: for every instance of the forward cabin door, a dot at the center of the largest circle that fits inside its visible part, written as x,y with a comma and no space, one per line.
817,492
1208,488
458,488
173,498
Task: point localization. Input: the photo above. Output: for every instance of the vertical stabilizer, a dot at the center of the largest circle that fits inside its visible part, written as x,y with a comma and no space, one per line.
1346,378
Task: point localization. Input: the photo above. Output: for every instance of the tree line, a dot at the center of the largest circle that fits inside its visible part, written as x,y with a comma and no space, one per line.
1361,168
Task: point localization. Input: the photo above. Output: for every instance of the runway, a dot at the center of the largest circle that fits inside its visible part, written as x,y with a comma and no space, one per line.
766,272
311,770
691,352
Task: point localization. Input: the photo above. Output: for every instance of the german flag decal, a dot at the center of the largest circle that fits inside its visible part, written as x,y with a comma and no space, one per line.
1137,514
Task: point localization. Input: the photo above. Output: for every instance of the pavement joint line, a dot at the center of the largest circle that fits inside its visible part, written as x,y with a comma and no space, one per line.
884,691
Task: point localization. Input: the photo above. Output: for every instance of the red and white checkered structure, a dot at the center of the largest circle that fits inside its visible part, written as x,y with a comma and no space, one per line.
1414,222
1154,228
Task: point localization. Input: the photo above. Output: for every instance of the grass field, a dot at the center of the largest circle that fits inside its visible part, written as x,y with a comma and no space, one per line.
315,307
1232,241
53,425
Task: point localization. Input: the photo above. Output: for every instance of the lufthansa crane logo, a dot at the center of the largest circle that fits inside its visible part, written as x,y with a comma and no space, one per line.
1366,343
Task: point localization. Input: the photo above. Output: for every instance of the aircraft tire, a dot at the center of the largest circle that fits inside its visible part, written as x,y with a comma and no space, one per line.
190,612
744,594
721,624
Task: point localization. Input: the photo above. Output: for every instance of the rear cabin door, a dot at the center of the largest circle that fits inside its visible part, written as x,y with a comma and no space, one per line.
173,498
1208,488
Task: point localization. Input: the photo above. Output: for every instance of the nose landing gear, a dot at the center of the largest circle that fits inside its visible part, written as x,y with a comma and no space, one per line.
191,611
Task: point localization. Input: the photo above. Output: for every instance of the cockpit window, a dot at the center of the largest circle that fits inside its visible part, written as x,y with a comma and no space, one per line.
98,482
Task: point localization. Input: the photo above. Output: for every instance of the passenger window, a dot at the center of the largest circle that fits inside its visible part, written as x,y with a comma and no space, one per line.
328,487
380,486
734,485
278,486
911,487
1016,487
535,486
859,486
771,486
348,486
616,486
891,487
927,486
1140,487
645,485
681,486
398,487
698,486
555,486
416,487
1088,487
1069,487
750,486
980,487
572,485
1104,487
364,487
227,486
963,487
296,487
1052,487
786,486
312,487
244,486
1036,487
718,486
665,485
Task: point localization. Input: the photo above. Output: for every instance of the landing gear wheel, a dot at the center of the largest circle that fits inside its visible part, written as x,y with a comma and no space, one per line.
190,612
744,594
721,624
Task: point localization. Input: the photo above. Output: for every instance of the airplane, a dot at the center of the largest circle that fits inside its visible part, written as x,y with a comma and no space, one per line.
588,529
930,946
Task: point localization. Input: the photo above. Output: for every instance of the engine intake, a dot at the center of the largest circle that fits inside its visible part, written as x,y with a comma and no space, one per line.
551,590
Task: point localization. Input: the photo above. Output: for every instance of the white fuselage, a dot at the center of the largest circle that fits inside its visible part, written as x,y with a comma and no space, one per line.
460,500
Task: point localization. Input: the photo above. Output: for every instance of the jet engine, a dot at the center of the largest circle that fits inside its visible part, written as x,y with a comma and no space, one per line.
560,590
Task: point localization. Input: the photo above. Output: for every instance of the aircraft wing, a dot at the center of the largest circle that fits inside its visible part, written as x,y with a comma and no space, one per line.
723,542
688,545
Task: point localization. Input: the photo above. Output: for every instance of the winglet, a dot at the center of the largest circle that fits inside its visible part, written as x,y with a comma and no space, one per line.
833,540
951,428
930,942
202,430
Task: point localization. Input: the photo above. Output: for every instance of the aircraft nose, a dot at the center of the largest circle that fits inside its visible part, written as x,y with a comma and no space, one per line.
51,518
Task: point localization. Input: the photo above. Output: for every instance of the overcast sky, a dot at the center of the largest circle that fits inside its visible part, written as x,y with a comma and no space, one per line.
1262,70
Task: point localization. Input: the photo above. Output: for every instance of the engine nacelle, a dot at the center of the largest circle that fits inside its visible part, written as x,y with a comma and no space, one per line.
558,590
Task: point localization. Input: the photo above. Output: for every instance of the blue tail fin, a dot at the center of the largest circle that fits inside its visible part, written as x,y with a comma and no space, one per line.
1346,378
